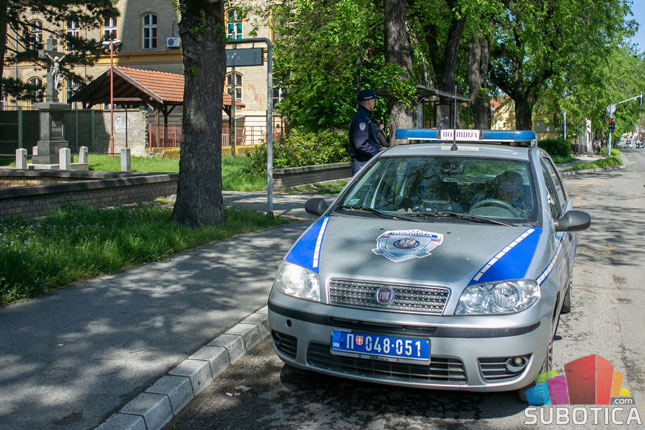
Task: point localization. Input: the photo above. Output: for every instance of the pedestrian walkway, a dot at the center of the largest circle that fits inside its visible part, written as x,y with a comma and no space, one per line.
73,358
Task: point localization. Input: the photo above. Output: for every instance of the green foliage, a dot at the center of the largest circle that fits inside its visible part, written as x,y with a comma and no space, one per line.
321,57
79,243
302,148
556,147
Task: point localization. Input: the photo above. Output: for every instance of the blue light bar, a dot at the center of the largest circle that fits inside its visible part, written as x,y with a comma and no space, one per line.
486,135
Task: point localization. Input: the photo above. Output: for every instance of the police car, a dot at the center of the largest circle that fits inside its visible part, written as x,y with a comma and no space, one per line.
444,263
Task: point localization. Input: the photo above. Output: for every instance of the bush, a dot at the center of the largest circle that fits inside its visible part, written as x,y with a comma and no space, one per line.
556,147
303,149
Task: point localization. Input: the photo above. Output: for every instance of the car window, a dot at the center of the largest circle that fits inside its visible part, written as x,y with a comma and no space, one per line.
494,188
555,207
559,187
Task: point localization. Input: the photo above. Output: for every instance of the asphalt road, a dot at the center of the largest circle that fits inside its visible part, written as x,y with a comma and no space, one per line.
258,392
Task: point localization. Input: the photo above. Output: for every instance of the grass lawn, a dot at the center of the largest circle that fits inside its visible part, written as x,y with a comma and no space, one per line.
79,243
602,162
233,176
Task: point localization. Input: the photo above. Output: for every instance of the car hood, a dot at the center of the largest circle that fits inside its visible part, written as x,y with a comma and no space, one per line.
448,254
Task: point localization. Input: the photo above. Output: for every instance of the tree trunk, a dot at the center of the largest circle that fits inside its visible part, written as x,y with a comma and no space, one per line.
397,51
199,191
446,72
523,112
478,63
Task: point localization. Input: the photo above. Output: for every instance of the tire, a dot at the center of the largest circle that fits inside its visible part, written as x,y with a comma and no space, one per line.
566,302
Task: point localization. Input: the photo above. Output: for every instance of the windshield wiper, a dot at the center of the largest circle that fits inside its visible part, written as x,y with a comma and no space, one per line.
375,211
446,214
470,217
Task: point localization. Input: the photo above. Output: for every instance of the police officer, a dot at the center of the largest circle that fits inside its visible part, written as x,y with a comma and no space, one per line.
363,143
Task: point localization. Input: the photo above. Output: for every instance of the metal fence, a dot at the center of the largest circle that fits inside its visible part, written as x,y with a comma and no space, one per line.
170,135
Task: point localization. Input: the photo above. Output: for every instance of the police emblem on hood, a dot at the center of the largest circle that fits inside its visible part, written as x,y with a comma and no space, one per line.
402,245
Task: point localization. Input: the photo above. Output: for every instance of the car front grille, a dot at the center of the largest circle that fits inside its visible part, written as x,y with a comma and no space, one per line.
407,298
285,343
441,370
495,370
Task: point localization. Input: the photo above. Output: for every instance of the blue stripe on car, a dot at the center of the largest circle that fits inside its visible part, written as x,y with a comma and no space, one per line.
512,261
306,252
545,274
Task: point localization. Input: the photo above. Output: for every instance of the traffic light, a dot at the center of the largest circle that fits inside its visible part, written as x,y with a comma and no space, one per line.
612,125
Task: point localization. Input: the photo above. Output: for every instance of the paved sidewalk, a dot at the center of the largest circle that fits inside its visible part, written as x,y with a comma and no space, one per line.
73,358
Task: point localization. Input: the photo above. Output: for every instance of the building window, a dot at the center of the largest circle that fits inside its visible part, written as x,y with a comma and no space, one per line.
149,31
278,95
109,29
234,86
71,32
233,25
35,35
35,94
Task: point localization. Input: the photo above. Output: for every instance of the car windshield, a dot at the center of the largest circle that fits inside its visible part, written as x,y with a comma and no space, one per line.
446,186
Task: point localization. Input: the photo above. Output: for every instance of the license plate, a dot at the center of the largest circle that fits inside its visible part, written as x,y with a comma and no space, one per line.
374,346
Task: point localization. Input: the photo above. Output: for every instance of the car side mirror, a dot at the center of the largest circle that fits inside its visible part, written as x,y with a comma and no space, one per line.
573,221
316,206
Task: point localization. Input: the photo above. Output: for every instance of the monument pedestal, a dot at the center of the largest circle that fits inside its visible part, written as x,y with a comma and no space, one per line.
52,132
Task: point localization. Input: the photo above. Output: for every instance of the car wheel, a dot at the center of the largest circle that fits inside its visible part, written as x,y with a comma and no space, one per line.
547,365
566,302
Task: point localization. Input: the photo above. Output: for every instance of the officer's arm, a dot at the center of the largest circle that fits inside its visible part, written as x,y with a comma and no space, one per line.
360,141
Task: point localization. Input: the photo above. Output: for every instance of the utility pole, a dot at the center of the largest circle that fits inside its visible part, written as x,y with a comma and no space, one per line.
611,109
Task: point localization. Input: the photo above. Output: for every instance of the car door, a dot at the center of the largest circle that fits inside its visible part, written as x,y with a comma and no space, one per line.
559,204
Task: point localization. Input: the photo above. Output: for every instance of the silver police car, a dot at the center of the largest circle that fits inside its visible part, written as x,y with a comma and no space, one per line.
444,263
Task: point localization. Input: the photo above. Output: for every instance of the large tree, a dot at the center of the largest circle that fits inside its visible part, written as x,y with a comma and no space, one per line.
398,53
550,44
16,33
199,190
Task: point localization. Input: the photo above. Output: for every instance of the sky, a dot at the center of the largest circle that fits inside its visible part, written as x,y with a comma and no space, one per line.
638,9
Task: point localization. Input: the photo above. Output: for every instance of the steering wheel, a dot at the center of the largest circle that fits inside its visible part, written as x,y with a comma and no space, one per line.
494,202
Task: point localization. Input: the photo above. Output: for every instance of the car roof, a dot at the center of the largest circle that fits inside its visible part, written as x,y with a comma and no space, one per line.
464,149
509,137
510,144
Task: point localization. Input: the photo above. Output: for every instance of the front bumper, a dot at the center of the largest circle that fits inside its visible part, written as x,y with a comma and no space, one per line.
470,356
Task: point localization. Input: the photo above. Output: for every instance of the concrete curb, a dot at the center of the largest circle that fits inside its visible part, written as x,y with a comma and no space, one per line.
596,170
163,400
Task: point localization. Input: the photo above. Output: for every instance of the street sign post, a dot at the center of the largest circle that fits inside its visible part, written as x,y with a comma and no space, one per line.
250,56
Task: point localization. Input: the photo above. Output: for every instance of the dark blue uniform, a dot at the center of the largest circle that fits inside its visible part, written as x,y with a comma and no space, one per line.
363,143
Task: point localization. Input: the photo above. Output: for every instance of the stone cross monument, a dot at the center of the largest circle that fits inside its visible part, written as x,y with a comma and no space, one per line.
52,124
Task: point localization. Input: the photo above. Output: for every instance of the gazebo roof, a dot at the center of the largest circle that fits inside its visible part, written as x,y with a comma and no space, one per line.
137,87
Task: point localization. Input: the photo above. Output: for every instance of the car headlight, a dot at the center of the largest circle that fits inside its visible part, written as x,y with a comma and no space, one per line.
505,297
297,281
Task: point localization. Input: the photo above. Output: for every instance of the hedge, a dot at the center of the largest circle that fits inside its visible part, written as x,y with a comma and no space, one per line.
556,147
303,149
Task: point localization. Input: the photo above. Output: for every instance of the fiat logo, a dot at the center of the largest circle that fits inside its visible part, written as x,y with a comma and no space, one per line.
384,295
